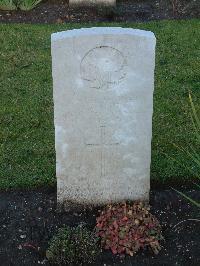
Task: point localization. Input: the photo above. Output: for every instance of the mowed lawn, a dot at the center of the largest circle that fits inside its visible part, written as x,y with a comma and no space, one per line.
27,154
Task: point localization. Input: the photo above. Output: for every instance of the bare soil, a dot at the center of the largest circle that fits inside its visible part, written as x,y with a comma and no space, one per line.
58,11
28,219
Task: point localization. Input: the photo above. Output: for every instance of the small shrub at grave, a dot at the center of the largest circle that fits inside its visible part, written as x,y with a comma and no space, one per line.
126,228
7,5
73,246
24,5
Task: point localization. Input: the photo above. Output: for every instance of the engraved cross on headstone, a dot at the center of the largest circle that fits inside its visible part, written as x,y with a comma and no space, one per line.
103,144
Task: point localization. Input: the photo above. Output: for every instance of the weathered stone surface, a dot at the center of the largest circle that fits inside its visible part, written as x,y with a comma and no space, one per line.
103,81
92,2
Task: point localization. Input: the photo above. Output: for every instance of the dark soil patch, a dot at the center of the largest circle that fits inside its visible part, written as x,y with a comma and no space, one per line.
58,11
29,219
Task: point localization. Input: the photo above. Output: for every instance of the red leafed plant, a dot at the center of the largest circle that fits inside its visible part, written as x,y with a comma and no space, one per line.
125,228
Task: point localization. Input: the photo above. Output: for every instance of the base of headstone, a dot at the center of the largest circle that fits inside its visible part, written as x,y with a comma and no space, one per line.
73,206
78,3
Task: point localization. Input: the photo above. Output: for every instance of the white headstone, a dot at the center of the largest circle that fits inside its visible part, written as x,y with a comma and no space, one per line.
92,2
103,81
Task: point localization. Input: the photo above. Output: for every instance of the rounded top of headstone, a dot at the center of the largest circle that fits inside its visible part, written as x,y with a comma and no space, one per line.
101,31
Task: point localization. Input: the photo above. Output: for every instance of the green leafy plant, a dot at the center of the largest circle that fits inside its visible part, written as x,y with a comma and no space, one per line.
73,246
192,154
8,5
126,228
25,5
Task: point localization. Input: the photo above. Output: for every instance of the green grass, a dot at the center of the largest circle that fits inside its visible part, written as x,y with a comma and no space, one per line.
27,155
